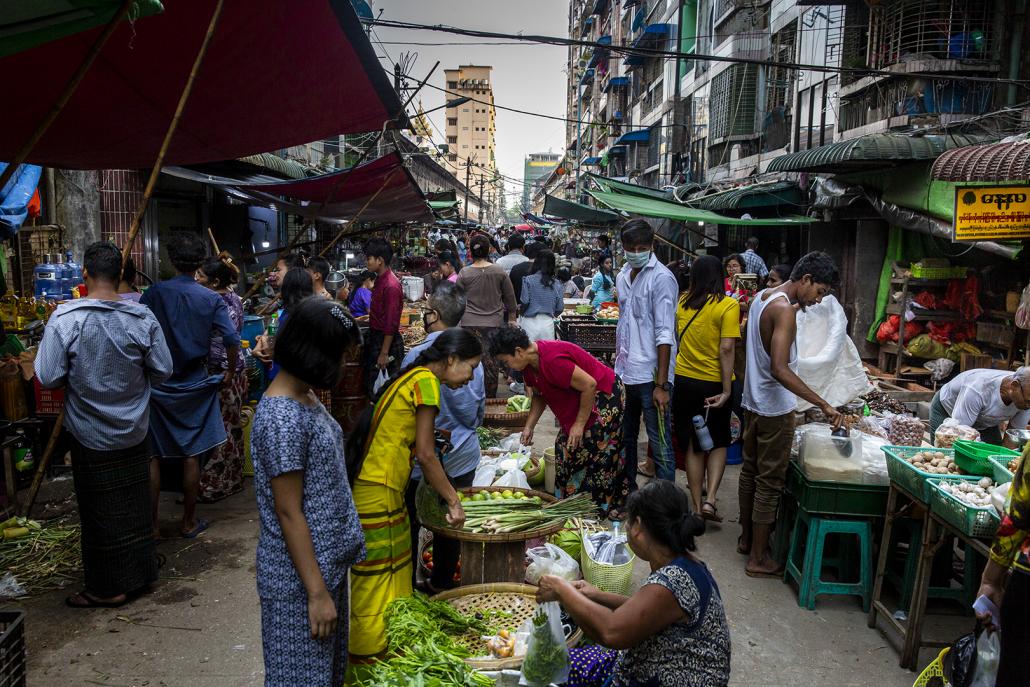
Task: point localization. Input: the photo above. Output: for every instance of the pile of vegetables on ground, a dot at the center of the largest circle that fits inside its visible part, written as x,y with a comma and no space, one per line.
35,557
503,510
519,404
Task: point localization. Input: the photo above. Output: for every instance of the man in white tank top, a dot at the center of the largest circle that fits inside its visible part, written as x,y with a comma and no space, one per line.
771,388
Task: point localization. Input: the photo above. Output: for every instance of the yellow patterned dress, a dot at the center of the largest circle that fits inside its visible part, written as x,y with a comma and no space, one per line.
385,574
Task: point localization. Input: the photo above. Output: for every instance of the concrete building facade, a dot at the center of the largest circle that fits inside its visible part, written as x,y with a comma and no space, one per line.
538,167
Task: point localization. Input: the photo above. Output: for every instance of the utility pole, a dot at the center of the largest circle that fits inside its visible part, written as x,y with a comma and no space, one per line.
468,180
482,187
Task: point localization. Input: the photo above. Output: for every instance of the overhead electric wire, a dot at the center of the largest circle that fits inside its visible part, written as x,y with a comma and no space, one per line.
676,54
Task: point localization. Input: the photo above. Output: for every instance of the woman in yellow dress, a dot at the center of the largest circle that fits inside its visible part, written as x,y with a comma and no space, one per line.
398,429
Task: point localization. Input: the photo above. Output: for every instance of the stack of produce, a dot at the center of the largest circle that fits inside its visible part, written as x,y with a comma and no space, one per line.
40,557
976,494
934,462
489,437
503,510
519,404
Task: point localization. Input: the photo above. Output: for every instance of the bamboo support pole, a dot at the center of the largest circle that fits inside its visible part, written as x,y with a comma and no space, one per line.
137,220
66,94
44,463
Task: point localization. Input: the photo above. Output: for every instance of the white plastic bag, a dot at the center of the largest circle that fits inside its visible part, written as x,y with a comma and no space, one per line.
512,478
550,560
383,378
952,430
547,656
988,654
828,361
486,472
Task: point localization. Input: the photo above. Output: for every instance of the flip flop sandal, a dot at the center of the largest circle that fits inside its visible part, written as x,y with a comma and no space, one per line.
84,599
764,575
711,513
202,525
645,473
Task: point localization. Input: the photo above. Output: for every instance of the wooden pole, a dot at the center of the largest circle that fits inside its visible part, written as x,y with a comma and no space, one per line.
44,463
214,242
66,94
138,219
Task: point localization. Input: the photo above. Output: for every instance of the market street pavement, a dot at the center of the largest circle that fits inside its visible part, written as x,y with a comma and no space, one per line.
201,624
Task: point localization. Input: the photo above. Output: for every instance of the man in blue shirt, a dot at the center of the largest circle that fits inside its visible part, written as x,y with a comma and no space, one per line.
185,415
461,412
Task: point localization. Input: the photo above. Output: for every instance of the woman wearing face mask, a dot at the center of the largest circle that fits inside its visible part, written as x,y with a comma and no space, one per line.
673,631
380,452
587,399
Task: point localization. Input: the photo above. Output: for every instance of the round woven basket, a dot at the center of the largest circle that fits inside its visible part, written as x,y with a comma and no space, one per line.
502,537
517,599
497,414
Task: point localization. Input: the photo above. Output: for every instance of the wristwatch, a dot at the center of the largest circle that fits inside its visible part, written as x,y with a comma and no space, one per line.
667,386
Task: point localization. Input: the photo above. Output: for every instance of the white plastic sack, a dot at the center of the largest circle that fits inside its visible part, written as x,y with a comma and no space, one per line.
383,378
512,478
988,655
486,472
510,444
828,361
550,560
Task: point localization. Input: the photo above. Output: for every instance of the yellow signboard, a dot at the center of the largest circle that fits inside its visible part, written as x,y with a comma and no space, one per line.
984,213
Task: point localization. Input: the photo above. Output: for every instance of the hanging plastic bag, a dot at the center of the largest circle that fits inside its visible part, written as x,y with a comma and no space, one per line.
828,360
512,478
988,655
547,656
550,560
960,661
382,379
1023,311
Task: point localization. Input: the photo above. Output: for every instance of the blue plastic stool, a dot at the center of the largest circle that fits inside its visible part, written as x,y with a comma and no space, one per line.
809,574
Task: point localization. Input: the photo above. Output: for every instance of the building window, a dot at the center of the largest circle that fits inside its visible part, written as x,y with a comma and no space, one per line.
452,121
453,157
464,109
452,139
452,84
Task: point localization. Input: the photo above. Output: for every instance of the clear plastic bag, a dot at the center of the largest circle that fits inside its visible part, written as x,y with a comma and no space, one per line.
512,478
547,656
904,430
550,560
951,430
381,379
870,426
1023,311
608,548
988,655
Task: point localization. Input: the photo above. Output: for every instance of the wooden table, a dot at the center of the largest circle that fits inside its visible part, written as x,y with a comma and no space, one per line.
935,533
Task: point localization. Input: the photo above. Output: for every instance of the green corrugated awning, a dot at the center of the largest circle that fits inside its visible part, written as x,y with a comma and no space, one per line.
443,204
615,186
871,152
291,169
647,207
28,24
567,209
752,196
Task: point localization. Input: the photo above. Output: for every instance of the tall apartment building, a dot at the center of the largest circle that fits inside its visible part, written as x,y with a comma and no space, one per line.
471,130
661,120
538,167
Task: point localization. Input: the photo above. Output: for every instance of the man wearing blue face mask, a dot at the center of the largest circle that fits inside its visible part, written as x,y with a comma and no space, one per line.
645,343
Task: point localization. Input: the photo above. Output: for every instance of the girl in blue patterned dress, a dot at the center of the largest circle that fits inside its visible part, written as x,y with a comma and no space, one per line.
310,533
673,631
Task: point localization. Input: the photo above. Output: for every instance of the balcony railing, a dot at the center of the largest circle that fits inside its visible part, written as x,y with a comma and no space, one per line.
941,29
896,99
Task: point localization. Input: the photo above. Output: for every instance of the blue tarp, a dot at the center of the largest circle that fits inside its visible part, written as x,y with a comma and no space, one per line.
616,81
15,197
591,160
638,136
650,34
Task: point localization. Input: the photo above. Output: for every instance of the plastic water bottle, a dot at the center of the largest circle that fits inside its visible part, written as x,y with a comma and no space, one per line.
254,371
703,436
64,273
46,279
273,327
74,268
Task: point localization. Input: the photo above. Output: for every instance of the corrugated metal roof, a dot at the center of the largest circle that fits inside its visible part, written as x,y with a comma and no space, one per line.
993,162
751,196
871,152
286,168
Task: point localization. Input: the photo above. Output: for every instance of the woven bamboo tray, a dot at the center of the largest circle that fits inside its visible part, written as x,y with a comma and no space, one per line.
503,537
517,599
497,414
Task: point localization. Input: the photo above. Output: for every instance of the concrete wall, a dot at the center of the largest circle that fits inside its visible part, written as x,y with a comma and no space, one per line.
77,201
870,251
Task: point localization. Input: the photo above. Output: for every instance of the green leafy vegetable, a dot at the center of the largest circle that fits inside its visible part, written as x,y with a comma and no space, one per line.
490,438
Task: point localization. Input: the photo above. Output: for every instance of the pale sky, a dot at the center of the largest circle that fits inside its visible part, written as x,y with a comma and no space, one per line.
525,76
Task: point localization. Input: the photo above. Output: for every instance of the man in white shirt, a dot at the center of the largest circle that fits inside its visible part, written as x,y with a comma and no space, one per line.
983,400
514,255
645,343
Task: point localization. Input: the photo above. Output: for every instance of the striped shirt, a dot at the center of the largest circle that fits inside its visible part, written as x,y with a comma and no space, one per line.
107,355
539,299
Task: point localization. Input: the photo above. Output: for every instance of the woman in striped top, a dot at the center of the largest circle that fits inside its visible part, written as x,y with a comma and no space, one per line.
542,299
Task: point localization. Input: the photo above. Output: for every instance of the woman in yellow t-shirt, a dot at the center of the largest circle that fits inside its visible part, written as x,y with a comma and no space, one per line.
399,428
707,326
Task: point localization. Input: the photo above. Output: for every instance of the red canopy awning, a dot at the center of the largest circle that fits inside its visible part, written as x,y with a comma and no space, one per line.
276,74
342,194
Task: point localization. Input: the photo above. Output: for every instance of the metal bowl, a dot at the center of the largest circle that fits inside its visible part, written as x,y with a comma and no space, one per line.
1019,437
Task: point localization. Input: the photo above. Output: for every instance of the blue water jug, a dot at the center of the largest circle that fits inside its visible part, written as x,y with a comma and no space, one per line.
46,279
75,269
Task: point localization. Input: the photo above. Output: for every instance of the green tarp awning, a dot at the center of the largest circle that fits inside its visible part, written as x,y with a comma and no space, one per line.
443,204
567,209
27,24
647,207
751,196
871,152
615,186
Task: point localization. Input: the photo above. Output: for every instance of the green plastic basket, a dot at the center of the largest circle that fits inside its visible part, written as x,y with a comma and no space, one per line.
836,498
981,523
614,579
920,272
1000,469
912,479
972,456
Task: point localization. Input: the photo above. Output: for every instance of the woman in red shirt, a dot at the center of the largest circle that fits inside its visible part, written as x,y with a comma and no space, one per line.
587,399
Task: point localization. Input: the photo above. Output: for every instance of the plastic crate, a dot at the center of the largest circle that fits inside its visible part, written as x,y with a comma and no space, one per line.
981,523
591,337
972,456
912,479
12,648
1000,469
920,272
836,498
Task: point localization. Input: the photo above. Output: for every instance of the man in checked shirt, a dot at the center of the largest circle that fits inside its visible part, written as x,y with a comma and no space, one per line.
107,353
